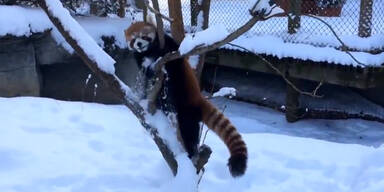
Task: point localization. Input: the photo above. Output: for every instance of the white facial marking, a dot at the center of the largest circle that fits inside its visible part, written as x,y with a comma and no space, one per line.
140,45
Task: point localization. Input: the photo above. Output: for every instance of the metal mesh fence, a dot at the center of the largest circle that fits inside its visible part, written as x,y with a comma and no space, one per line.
342,15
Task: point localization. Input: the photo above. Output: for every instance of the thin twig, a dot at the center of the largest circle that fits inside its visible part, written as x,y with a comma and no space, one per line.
344,47
312,94
156,12
318,87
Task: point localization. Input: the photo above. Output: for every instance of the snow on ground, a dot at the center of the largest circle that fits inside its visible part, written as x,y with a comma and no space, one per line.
58,146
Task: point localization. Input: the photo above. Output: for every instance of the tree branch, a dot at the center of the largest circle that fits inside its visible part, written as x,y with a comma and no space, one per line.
344,47
114,83
156,10
312,94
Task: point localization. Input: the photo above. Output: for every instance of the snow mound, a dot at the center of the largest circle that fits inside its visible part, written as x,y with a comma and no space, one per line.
225,91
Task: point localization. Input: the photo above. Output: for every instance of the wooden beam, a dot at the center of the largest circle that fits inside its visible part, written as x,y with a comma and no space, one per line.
343,75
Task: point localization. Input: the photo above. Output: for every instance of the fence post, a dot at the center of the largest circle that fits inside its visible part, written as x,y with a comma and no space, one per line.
121,10
195,9
204,8
294,15
365,19
292,101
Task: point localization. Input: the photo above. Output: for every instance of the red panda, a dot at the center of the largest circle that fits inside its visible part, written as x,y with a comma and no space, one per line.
183,96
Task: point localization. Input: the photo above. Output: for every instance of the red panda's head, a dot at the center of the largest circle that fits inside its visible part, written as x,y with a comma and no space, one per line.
140,35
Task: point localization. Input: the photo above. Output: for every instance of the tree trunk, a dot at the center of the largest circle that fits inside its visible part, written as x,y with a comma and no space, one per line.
177,26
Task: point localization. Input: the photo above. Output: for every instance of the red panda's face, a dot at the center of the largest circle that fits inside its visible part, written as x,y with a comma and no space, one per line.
139,36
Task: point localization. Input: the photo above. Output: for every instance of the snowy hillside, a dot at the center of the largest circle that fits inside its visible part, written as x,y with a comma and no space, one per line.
55,146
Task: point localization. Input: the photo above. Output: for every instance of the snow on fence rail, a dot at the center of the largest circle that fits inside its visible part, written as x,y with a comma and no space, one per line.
342,15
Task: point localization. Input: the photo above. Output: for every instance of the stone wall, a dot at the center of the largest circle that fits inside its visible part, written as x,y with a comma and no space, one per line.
19,74
37,66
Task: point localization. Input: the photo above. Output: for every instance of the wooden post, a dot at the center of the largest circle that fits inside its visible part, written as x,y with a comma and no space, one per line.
365,19
195,9
292,103
159,23
140,4
204,7
121,11
294,16
292,96
177,26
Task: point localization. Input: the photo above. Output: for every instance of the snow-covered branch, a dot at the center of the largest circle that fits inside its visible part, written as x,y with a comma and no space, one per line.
103,66
257,15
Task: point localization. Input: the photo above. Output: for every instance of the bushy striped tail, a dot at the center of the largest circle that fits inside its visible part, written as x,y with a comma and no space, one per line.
217,122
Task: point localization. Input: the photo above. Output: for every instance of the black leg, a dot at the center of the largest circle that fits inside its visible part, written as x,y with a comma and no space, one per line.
189,119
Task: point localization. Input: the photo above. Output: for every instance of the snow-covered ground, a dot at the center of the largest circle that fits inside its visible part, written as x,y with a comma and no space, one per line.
57,146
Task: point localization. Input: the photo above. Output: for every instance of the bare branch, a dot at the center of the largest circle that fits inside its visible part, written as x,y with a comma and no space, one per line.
344,47
203,49
312,94
156,11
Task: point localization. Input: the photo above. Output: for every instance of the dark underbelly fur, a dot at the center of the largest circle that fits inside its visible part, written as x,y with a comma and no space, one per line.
173,94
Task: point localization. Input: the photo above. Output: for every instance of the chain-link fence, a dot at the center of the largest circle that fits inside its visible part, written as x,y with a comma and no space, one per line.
342,15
